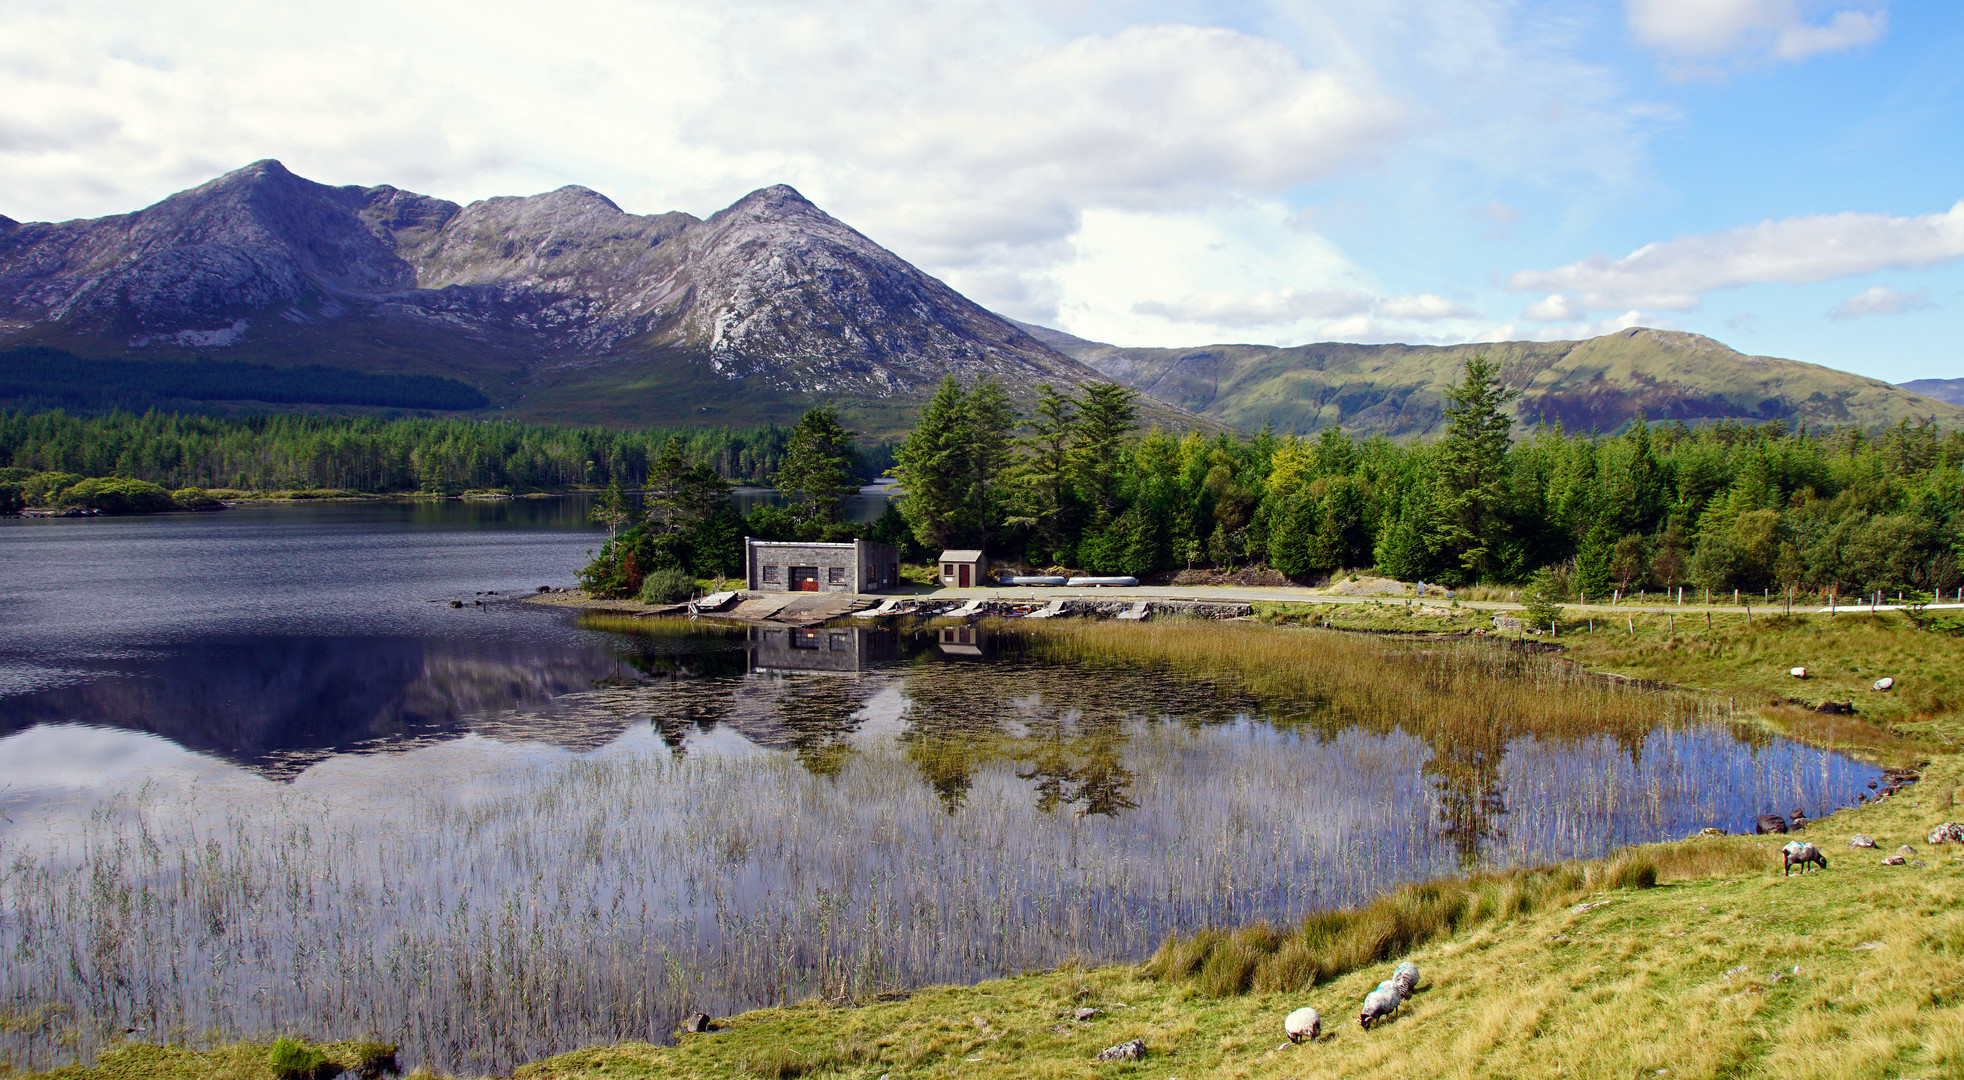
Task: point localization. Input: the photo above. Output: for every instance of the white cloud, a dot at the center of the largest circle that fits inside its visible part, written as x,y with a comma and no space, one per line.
1675,275
1553,308
1705,29
1584,329
1206,278
1283,307
1880,300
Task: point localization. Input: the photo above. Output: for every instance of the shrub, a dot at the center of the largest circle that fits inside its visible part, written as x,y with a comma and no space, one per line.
42,489
668,585
111,495
1538,600
291,1059
194,499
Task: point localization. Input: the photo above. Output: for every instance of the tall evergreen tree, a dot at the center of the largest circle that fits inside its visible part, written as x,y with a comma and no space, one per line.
1044,474
817,468
1107,414
935,469
991,438
1471,488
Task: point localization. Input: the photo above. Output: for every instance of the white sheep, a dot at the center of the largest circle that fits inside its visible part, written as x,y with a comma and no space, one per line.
1378,1004
1800,853
1405,979
1304,1023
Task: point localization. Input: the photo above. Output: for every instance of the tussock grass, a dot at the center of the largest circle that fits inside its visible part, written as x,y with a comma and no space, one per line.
1330,944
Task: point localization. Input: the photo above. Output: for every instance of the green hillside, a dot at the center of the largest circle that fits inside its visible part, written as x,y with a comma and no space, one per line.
1601,383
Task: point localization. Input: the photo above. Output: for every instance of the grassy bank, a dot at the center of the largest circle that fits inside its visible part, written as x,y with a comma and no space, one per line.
1742,663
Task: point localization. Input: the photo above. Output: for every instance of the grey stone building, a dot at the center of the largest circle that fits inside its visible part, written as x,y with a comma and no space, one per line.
790,566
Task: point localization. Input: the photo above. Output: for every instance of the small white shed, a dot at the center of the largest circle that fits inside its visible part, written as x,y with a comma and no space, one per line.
963,568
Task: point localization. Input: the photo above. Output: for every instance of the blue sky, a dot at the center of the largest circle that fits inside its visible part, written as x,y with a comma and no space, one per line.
1782,175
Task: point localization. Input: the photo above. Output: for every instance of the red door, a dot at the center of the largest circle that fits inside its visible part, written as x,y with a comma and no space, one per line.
804,579
964,576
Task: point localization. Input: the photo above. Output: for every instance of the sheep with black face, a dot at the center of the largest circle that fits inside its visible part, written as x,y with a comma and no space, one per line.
1801,853
1378,1004
1303,1024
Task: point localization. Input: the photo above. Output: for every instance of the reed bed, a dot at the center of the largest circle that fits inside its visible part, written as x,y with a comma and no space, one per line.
543,905
1451,690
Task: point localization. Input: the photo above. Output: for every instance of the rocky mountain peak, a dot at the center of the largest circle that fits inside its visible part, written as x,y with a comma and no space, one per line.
770,292
777,202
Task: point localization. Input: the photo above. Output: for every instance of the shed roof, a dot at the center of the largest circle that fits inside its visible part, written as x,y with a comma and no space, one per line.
961,555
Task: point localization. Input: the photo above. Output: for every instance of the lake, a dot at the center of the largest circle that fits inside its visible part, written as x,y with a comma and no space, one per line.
256,776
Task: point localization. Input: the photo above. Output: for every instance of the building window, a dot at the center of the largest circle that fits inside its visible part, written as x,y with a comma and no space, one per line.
947,569
770,575
835,575
804,639
841,641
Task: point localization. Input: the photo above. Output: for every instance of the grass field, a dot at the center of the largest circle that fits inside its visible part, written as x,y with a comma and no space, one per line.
1691,959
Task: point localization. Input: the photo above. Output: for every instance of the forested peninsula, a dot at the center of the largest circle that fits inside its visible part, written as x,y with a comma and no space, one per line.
1764,508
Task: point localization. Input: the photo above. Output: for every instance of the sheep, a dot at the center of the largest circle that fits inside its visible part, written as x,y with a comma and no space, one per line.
1405,979
1378,1004
1800,853
1769,823
1304,1023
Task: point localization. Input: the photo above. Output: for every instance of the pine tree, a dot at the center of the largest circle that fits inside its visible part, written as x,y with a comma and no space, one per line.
817,468
991,431
1043,476
1106,415
934,468
1471,486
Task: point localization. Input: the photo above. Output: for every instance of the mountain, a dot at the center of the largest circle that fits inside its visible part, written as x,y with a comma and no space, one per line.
1951,390
558,307
1600,383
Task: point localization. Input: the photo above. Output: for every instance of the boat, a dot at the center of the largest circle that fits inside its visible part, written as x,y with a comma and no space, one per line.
1029,579
1092,582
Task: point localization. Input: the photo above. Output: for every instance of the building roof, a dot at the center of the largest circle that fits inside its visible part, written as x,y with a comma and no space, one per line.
961,555
847,546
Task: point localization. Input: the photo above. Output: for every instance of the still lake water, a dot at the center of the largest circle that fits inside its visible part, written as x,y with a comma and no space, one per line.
257,776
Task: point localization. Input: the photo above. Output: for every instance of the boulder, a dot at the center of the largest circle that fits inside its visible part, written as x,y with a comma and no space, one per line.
697,1023
1883,683
1894,860
1950,832
1861,840
1125,1051
1769,823
1086,1013
1906,851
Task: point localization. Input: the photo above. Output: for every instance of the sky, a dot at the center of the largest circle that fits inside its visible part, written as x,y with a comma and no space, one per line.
1786,176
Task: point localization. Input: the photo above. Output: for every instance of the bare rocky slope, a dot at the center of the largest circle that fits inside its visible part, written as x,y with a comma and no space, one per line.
1597,384
558,306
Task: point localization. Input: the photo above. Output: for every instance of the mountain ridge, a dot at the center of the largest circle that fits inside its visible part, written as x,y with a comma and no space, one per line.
561,306
1599,383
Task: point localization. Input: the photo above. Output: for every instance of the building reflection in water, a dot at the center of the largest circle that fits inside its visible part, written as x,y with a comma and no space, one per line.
821,650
